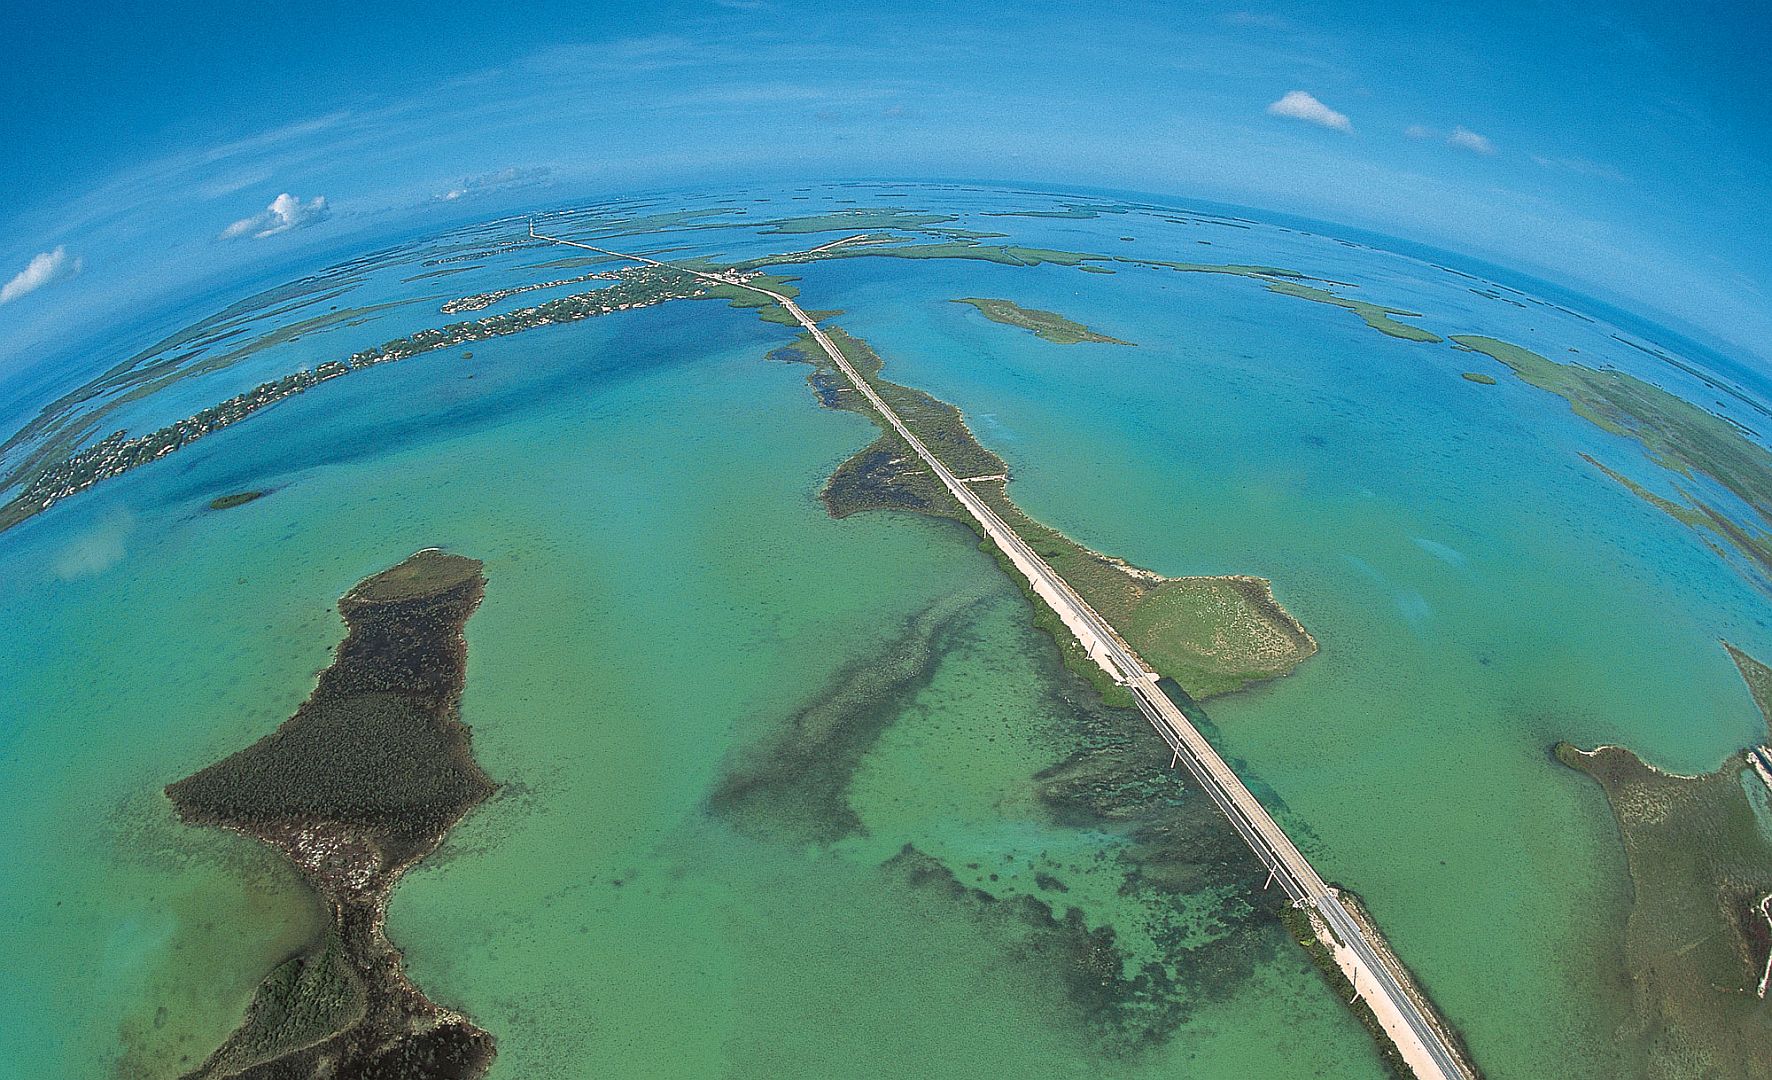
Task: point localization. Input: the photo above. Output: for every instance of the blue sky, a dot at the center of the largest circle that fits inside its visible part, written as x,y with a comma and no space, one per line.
1620,149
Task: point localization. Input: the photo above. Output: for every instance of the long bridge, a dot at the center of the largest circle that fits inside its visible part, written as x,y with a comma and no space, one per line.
1368,965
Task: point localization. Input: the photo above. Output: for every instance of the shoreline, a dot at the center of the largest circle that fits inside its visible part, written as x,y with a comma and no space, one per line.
1210,634
1696,944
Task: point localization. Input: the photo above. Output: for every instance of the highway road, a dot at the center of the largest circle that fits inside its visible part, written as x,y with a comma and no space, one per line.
1416,1038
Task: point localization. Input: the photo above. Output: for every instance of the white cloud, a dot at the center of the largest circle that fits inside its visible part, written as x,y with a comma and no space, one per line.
1420,131
45,268
1466,139
285,212
1302,106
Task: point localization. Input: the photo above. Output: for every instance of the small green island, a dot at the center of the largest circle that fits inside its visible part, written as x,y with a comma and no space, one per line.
238,498
1478,377
354,789
1047,325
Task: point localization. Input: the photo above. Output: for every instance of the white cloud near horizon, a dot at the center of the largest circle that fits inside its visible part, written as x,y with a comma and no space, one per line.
1466,139
45,268
502,180
1300,105
286,212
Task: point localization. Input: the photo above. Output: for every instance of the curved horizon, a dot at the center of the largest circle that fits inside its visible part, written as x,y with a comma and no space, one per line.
259,146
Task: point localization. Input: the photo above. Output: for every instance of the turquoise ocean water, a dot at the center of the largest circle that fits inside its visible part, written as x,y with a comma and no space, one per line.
666,594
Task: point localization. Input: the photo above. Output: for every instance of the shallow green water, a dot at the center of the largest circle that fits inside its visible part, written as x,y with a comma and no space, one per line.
655,893
664,589
1477,597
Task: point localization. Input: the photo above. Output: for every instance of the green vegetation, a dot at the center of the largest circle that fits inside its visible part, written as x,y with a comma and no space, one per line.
1685,515
1478,377
361,783
1377,316
61,429
1758,678
634,221
57,467
1005,254
795,785
482,301
1678,435
1302,927
887,474
859,220
375,748
964,234
1276,279
1049,325
1188,923
304,1001
1075,211
1070,651
239,498
745,299
1698,935
1212,635
118,453
1696,939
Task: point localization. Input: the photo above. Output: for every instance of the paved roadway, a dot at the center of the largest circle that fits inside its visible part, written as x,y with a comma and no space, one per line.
1429,1055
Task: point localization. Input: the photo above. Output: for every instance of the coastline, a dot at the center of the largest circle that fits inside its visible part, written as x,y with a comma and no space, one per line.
1211,634
1698,939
